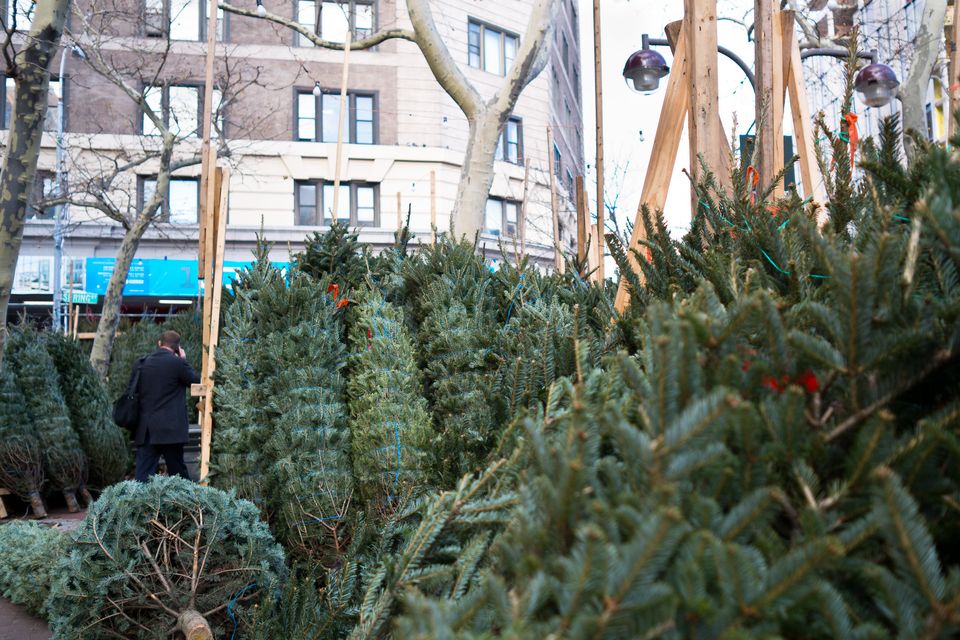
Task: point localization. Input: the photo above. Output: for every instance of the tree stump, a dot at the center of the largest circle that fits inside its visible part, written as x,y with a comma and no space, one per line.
194,626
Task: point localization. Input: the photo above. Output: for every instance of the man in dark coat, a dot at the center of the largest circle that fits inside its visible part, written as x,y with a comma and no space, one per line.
163,426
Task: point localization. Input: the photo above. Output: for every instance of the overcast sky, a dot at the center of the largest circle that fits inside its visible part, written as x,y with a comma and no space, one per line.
627,114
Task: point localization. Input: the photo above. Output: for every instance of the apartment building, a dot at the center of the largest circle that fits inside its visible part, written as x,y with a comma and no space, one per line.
278,110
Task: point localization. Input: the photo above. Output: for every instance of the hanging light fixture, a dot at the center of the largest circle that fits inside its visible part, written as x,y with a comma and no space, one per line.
317,90
261,10
644,68
877,84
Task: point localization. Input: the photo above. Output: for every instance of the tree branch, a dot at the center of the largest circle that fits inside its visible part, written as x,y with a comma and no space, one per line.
364,43
531,56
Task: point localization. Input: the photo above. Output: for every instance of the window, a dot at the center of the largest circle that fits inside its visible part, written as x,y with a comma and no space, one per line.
335,18
510,146
501,217
44,186
557,160
54,95
574,23
570,183
567,112
318,117
490,49
19,14
179,107
358,203
181,204
181,19
566,53
576,84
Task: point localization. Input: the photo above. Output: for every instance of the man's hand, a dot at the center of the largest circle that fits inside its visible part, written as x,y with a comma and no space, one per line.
182,353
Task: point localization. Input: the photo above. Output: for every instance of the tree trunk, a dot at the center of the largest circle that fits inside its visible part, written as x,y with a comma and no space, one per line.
194,626
913,91
110,316
23,144
476,176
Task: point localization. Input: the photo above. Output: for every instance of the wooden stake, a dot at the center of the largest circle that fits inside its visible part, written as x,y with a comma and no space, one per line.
557,254
953,80
656,183
343,112
769,94
706,137
76,320
522,222
581,221
209,240
800,113
208,152
210,364
598,87
433,207
399,213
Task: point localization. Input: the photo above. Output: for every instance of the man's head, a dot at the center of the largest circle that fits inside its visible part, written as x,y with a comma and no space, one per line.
170,340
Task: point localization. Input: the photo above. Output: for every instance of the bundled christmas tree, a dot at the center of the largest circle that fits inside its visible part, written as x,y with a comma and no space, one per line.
64,462
390,429
336,253
21,462
154,558
29,554
90,411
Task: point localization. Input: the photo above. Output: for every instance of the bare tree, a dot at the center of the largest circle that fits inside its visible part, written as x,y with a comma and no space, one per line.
28,62
485,117
104,181
926,51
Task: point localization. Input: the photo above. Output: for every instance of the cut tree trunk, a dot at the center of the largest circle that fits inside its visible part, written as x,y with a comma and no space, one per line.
194,626
23,143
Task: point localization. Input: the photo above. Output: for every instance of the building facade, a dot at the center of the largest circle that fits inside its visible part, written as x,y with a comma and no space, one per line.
277,104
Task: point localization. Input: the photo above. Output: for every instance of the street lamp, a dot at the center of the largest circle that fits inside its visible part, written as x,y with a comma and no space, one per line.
261,10
877,85
61,209
644,68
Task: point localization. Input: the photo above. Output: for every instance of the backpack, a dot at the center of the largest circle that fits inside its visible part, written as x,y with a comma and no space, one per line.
126,408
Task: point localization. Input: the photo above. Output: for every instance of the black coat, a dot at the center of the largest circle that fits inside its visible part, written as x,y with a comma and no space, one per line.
163,409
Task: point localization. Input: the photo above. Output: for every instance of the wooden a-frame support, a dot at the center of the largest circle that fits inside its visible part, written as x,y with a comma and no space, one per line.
691,93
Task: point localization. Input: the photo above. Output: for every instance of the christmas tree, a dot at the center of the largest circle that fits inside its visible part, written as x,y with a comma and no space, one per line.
390,428
21,463
90,411
29,553
64,462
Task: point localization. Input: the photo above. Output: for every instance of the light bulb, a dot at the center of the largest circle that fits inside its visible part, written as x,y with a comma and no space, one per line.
316,89
261,10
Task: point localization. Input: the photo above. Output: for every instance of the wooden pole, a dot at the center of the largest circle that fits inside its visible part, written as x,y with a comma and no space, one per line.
769,94
598,88
208,253
208,153
954,79
656,183
523,209
581,221
399,213
69,296
800,113
76,321
433,207
343,112
706,137
209,365
557,254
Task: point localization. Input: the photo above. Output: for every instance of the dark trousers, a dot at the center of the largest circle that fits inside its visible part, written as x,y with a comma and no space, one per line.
148,457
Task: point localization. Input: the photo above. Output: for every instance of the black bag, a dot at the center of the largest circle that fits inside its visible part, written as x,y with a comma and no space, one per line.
126,408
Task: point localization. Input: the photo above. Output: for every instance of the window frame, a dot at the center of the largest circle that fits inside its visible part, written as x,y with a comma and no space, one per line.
351,123
504,34
502,232
6,118
320,206
502,144
37,189
165,109
557,160
300,41
165,19
164,216
6,14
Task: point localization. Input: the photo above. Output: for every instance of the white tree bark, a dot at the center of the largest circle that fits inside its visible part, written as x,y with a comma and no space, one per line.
23,144
926,50
485,119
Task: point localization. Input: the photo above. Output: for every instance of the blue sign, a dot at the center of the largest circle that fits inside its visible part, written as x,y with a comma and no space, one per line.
158,276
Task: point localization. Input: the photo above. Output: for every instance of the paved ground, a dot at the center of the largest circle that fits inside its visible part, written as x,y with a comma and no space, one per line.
15,622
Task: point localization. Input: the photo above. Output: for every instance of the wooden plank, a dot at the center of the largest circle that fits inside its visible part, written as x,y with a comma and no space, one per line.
208,152
593,251
344,105
399,213
206,426
953,82
557,254
598,86
76,321
769,94
581,221
211,224
433,207
800,113
3,508
523,209
656,183
706,137
199,390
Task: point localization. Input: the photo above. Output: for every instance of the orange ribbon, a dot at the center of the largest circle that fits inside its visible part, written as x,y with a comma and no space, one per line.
752,185
853,134
335,290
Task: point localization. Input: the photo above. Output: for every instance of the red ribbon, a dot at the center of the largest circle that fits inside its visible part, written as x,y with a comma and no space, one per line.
853,134
335,290
752,185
